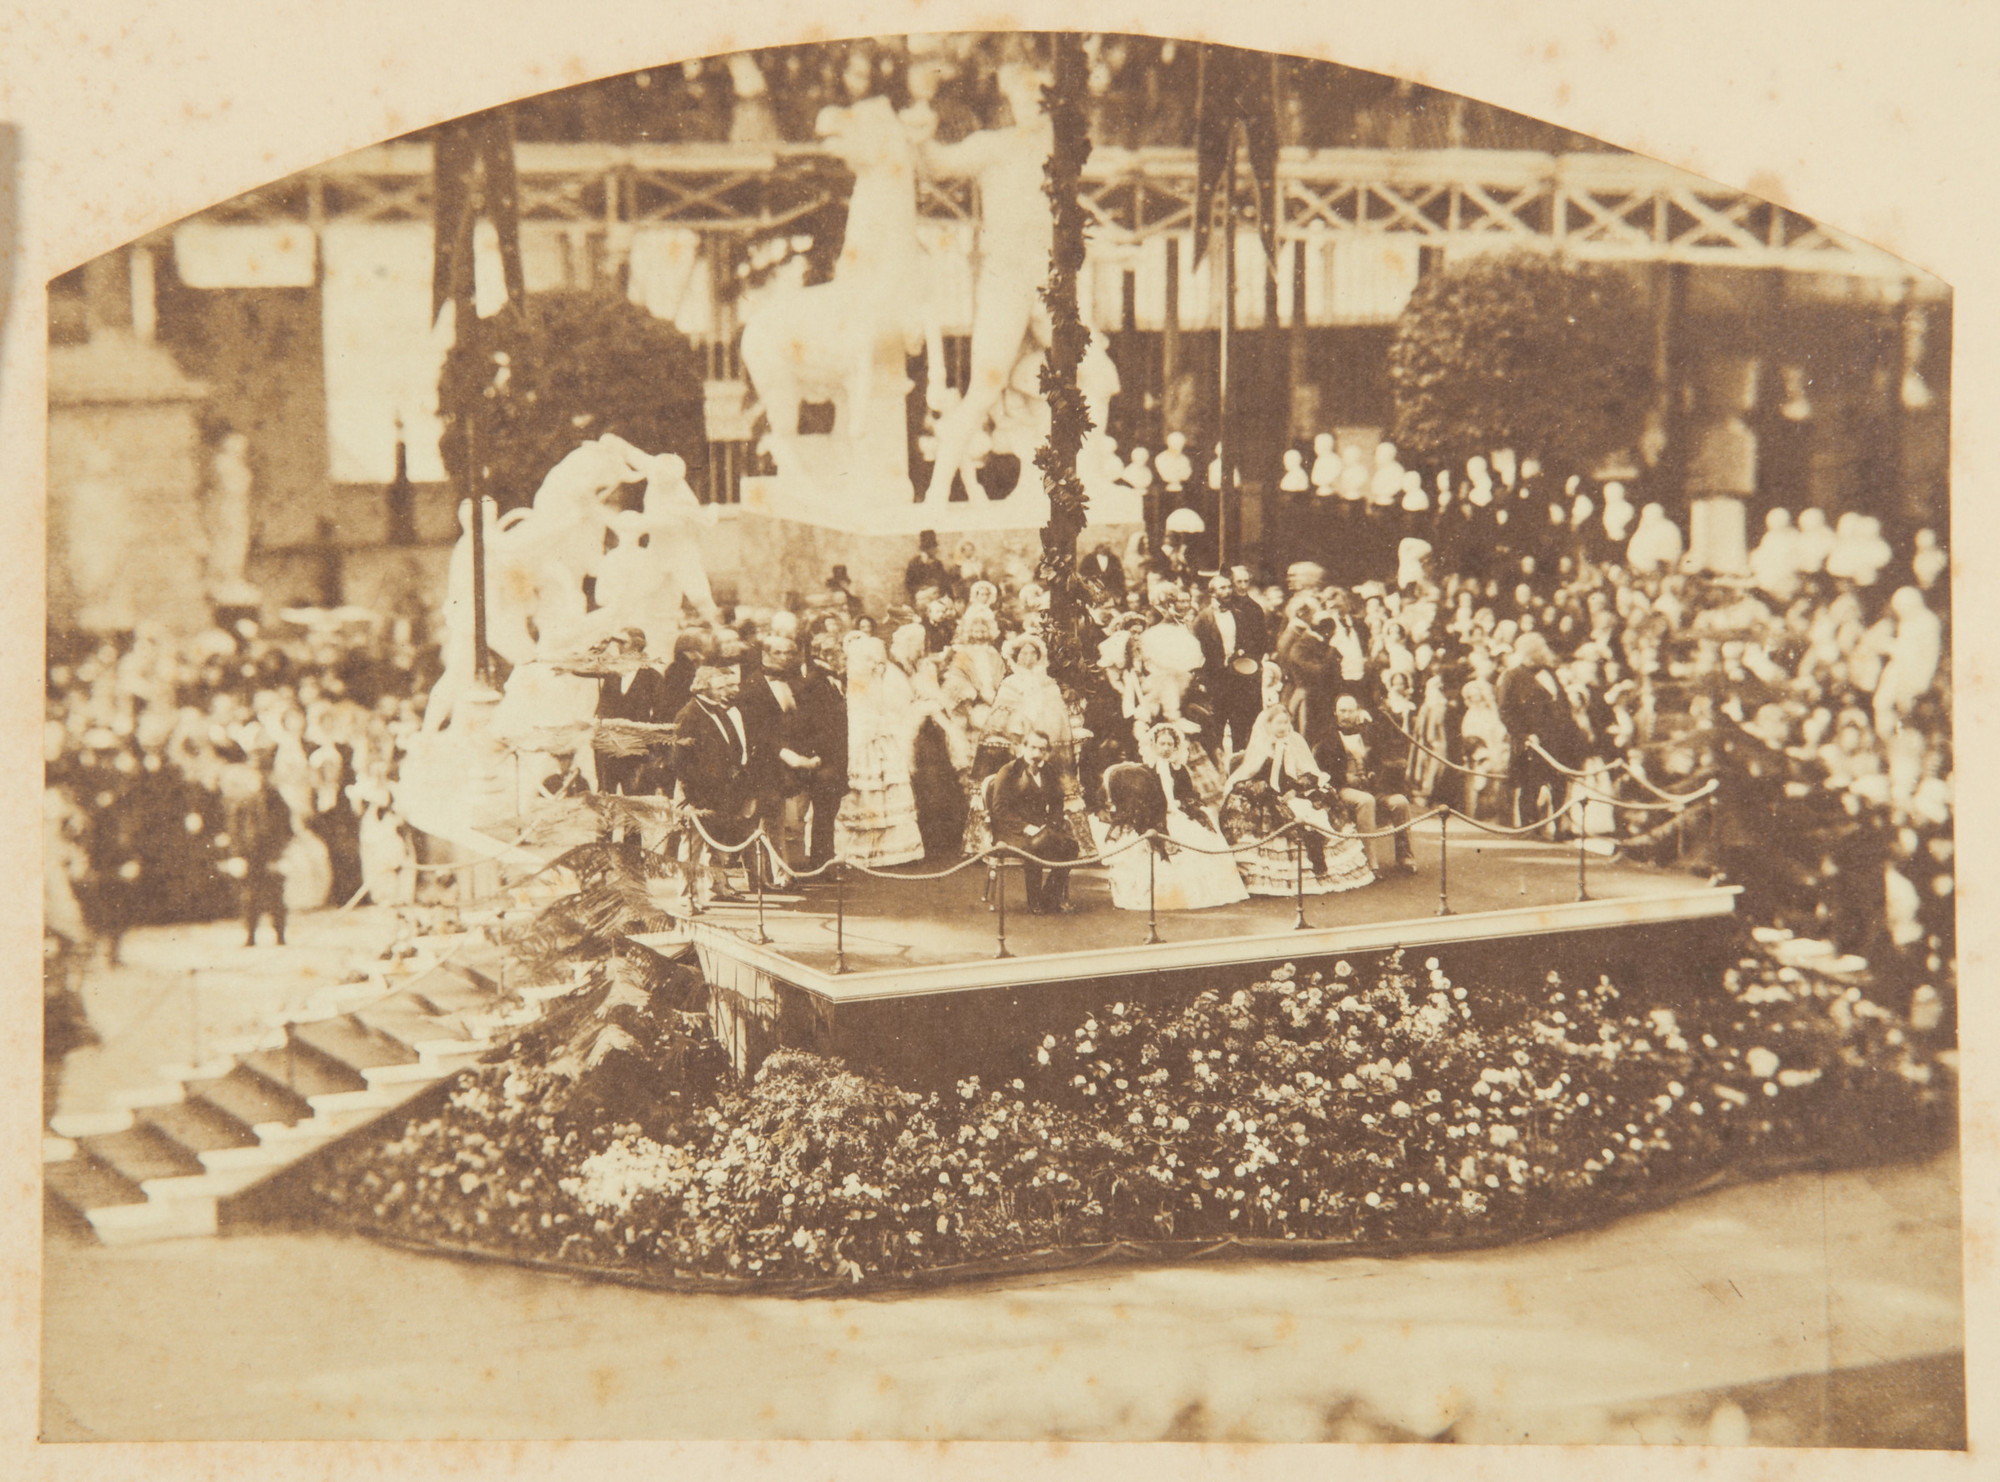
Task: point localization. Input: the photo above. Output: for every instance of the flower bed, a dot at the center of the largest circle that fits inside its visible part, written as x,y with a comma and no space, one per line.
1363,1108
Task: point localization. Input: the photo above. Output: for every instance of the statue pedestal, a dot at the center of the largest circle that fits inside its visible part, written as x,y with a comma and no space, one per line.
786,537
461,777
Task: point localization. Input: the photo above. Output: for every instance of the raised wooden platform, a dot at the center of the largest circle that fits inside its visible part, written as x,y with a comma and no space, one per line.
925,992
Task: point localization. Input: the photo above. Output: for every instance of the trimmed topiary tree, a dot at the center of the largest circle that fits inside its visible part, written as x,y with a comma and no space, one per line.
1551,358
572,367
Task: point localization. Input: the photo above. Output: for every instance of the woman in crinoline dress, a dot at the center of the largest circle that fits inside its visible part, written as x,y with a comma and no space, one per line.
1278,784
1488,752
1191,868
877,822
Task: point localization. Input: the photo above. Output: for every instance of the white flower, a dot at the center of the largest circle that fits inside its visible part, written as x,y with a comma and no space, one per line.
1431,963
1085,1047
1501,1136
1763,1064
943,1224
1373,1200
1180,1124
1675,1088
1042,1057
1409,1188
801,1238
1401,1109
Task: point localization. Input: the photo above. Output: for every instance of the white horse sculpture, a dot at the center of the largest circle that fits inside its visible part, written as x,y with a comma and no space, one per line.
846,341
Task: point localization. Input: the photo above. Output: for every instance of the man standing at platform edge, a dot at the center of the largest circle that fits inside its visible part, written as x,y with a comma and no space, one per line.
1027,812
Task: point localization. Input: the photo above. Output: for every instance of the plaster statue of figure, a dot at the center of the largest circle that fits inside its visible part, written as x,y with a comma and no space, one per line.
1139,473
1914,658
1415,499
1815,539
459,664
1326,465
1656,545
1293,480
1175,467
1930,561
1859,552
1016,229
1618,512
229,523
846,340
1774,564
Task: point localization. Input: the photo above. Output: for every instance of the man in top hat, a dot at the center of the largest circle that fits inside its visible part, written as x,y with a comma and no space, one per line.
926,569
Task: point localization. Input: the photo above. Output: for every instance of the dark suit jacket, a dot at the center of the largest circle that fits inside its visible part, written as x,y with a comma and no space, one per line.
1250,636
1528,709
819,728
1018,803
1386,769
770,727
714,775
1104,571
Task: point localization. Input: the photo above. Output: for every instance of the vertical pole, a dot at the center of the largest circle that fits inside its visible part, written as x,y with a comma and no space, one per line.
1582,854
1224,447
757,864
840,916
1298,879
1000,899
1152,894
480,663
1444,862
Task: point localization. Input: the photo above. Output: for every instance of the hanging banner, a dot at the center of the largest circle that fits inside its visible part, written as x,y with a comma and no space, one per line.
253,255
381,356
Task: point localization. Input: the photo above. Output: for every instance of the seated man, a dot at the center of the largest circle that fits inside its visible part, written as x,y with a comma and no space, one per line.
1367,766
1027,812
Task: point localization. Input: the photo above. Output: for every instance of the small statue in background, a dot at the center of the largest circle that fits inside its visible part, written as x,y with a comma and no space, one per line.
228,511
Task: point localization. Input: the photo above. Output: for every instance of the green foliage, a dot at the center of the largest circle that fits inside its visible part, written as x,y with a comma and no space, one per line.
1553,359
569,368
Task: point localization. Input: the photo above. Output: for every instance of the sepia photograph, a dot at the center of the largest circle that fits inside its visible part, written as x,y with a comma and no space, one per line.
1000,735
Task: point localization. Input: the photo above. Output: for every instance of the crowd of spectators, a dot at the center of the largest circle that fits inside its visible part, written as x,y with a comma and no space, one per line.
1571,681
238,769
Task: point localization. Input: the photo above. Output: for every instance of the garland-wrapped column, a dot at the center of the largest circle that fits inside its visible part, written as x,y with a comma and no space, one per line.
1069,419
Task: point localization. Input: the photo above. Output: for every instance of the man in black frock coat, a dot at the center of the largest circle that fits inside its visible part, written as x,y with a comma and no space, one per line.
1027,812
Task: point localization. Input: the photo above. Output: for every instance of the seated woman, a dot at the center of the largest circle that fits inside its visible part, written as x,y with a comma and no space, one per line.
1276,784
1191,867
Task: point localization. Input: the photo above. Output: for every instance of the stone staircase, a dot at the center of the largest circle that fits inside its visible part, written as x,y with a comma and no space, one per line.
156,1168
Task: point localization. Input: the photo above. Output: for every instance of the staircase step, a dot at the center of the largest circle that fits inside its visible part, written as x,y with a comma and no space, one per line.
448,993
402,1019
250,1099
164,1219
198,1126
304,1072
140,1153
212,1185
354,1042
85,1184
